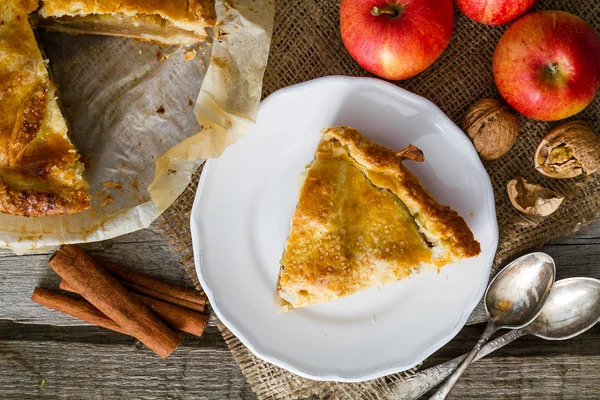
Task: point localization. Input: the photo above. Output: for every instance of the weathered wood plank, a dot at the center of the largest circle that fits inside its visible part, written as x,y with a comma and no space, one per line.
575,260
536,377
112,366
528,368
589,234
146,251
12,331
108,365
527,346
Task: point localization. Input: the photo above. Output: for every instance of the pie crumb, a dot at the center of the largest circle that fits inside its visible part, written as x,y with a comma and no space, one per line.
189,55
108,199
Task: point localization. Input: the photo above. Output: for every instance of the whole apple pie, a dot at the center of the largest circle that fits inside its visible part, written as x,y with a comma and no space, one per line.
40,170
363,219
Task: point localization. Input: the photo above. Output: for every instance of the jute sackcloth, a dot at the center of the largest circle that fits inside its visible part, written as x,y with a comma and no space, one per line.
306,44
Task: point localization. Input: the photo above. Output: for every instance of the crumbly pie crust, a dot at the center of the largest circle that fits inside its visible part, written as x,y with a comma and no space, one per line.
40,170
164,21
363,219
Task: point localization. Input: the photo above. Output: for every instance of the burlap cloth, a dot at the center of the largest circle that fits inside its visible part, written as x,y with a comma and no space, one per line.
306,45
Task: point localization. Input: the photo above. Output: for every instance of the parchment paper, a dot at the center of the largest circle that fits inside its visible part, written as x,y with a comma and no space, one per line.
139,121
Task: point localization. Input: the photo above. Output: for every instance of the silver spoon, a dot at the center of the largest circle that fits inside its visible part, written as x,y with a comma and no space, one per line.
513,299
572,308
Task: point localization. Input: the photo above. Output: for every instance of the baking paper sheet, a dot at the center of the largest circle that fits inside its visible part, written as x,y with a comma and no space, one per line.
139,121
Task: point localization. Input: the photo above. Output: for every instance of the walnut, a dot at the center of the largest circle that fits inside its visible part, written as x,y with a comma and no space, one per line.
568,150
492,128
533,199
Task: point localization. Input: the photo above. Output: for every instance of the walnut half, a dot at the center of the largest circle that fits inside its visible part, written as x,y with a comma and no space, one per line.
533,199
568,150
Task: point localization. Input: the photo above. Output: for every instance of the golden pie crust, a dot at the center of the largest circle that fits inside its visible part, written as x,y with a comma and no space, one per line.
40,170
363,219
169,22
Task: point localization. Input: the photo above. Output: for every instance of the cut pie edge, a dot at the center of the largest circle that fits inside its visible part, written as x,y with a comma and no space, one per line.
176,22
40,173
442,227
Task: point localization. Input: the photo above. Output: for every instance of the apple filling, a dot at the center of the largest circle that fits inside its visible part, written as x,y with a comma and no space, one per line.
150,27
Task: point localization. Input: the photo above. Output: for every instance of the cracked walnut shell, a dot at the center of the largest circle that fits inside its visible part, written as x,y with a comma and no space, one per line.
492,128
568,150
533,199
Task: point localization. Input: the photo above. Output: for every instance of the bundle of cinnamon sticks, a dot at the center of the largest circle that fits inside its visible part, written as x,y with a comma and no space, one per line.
125,301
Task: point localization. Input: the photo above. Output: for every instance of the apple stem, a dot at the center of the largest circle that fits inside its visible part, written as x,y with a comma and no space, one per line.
392,12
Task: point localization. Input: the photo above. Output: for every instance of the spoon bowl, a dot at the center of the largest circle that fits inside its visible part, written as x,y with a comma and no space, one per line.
513,299
572,308
517,294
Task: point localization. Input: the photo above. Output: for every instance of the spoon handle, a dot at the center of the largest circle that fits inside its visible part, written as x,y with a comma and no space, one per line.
417,385
500,342
443,391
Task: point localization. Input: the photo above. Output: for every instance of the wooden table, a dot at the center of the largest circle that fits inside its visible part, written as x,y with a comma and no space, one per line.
41,360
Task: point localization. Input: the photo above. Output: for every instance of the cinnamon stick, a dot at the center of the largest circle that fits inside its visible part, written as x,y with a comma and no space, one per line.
157,295
77,308
176,317
187,294
135,287
98,287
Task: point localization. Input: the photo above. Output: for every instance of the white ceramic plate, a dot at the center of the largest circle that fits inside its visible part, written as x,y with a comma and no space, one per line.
241,220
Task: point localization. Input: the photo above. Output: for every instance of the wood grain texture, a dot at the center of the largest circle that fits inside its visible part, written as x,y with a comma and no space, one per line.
92,363
89,363
145,250
529,368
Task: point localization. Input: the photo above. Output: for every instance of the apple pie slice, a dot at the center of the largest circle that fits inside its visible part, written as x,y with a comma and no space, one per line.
40,171
363,220
169,22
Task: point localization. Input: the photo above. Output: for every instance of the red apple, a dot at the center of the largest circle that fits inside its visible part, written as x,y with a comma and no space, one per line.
547,65
494,12
396,39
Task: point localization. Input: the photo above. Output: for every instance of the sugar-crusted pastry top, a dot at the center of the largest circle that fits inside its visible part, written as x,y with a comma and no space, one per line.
363,220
